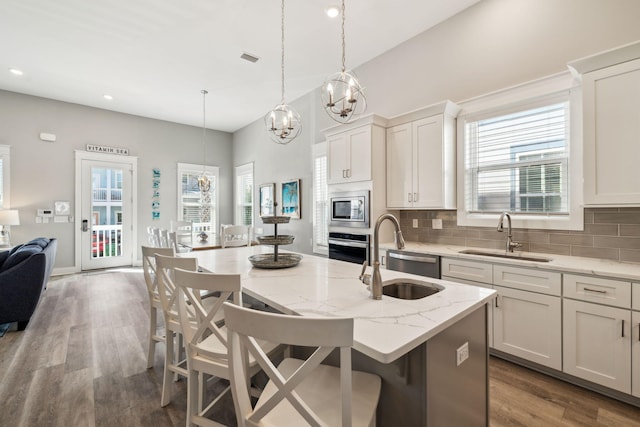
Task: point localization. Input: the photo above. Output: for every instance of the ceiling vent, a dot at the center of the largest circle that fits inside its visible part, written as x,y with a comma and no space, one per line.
248,57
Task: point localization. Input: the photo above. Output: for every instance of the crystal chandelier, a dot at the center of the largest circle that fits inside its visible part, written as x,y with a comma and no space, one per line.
204,183
283,122
342,96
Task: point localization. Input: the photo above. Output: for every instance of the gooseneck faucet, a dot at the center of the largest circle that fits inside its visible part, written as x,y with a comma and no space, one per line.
510,243
375,279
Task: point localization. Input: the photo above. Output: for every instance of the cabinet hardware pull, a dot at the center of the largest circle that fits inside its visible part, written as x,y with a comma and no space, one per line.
344,173
348,173
595,290
409,197
622,328
415,197
638,331
497,305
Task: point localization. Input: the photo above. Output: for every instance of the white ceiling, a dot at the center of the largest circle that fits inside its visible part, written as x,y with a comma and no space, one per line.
155,56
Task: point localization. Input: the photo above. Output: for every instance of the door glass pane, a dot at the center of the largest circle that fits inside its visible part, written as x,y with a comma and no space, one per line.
106,212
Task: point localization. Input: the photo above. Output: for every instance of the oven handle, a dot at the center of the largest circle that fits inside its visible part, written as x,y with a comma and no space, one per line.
350,243
426,259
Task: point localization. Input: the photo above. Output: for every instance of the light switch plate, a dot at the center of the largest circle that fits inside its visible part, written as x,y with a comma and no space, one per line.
436,224
415,223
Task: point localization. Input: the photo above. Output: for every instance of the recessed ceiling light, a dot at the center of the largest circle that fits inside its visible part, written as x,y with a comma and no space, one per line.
333,11
16,71
107,97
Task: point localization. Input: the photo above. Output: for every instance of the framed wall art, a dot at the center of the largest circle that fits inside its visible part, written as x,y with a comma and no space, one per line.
267,194
291,199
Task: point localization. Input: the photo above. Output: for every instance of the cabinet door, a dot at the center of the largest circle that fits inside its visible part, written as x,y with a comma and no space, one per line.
399,166
359,154
528,325
428,155
635,353
612,135
337,156
596,344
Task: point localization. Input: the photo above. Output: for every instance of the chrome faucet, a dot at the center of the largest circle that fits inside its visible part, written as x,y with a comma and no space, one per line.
374,280
510,243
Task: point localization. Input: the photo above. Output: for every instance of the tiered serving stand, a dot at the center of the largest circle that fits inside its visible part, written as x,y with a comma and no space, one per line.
275,260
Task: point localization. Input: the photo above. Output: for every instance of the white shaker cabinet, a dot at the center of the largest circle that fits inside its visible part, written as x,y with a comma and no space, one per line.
527,325
351,153
611,110
421,159
597,344
635,340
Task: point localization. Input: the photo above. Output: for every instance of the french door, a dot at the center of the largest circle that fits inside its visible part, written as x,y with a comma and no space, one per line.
105,211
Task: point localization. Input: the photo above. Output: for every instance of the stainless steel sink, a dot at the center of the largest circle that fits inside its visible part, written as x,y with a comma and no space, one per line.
409,289
506,255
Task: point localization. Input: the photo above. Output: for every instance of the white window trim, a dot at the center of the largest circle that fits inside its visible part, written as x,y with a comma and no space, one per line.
5,156
213,171
317,150
245,169
507,100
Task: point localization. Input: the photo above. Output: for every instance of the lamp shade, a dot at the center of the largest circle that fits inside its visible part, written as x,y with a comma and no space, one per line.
9,217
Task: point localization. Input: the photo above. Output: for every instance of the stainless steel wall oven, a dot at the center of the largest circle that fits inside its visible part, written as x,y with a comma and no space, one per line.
349,247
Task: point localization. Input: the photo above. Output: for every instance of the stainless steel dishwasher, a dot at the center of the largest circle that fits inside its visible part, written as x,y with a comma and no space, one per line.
414,263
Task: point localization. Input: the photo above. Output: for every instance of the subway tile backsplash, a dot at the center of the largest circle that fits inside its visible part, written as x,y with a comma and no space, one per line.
609,233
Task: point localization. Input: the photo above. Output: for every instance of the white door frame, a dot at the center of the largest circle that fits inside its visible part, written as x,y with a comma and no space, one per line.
80,156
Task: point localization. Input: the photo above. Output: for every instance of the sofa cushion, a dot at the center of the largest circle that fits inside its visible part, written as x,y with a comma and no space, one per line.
40,241
20,255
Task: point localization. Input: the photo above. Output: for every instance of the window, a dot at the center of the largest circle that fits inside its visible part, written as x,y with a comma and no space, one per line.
200,209
244,194
5,200
320,198
521,157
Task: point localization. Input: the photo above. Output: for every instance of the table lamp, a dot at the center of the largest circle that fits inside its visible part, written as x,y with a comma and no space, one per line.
8,217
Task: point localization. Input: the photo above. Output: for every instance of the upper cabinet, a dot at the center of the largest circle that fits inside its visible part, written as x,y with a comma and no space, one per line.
611,108
351,150
421,159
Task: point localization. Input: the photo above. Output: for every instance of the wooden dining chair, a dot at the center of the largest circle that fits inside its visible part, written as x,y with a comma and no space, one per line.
299,391
183,235
165,267
235,235
150,277
205,338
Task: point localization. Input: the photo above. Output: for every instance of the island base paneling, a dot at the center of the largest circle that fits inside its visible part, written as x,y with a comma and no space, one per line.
426,387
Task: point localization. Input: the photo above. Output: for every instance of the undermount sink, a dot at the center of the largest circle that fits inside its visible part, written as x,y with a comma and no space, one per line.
505,255
409,289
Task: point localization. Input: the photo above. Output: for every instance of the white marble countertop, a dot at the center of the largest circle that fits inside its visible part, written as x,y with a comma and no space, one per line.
563,263
384,329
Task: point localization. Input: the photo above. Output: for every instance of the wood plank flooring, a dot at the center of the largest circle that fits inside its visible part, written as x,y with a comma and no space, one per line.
81,362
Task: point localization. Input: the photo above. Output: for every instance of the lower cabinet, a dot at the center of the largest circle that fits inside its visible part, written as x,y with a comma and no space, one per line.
597,344
527,325
635,353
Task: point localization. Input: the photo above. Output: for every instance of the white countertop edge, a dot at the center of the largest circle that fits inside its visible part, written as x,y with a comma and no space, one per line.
563,263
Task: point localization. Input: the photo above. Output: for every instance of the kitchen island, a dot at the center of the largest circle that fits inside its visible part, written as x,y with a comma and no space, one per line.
414,345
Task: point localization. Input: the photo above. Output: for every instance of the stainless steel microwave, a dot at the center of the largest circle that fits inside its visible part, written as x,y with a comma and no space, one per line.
349,209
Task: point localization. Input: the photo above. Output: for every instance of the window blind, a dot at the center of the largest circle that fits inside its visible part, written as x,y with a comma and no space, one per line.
518,162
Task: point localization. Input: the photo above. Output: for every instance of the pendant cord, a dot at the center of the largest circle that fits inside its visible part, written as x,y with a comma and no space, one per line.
204,128
282,61
343,42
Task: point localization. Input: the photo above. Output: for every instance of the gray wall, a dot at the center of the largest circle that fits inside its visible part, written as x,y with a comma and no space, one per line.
492,45
43,172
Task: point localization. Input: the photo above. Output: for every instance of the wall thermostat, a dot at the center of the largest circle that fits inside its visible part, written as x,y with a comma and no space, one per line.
45,213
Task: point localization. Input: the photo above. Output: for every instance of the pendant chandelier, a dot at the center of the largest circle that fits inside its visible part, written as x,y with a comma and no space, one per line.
283,122
204,183
342,96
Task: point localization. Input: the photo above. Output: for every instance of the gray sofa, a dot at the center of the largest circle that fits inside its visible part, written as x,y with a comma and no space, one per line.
24,272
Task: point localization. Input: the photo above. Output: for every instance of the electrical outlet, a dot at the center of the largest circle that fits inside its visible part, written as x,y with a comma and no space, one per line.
462,353
436,224
415,223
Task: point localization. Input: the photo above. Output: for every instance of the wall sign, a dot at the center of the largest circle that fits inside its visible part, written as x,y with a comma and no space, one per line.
108,150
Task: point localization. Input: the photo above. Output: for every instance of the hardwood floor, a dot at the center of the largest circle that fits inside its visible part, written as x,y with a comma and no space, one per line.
81,362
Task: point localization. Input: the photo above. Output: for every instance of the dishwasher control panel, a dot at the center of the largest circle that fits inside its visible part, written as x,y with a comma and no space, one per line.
414,263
